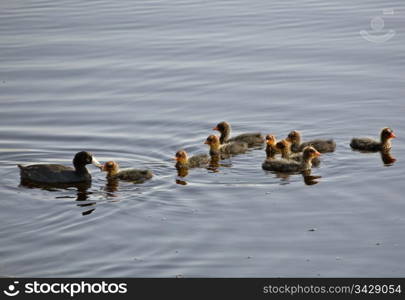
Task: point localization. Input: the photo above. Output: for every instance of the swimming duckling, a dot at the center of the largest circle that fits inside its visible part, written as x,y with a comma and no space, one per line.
183,161
368,144
271,149
225,150
60,174
284,165
323,146
113,172
252,139
284,147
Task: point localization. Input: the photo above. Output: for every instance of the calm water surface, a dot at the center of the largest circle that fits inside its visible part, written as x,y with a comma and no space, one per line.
135,81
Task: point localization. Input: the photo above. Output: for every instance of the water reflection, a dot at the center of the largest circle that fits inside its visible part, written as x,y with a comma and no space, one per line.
387,158
55,186
182,172
111,186
307,177
82,193
213,166
310,179
181,182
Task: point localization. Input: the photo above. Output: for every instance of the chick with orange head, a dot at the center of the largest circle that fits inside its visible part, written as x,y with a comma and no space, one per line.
114,172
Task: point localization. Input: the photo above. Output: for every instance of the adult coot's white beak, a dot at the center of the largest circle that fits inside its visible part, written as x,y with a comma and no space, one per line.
96,163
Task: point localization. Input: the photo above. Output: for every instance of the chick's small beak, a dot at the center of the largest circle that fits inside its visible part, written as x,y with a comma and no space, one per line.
206,142
215,128
317,153
393,135
175,158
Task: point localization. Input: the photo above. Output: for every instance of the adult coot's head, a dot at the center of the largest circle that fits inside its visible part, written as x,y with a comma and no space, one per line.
84,158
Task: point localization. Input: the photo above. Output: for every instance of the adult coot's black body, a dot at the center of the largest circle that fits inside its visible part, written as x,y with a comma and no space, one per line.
367,144
59,174
252,139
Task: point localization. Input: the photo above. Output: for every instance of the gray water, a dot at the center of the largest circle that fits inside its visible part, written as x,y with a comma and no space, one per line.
134,81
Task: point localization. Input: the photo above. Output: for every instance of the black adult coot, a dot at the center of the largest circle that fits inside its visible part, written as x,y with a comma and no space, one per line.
323,146
368,144
195,161
59,174
284,147
113,172
285,165
252,139
225,150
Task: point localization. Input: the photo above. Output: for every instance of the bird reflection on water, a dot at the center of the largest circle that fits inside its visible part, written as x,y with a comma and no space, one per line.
387,158
82,194
213,166
306,176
